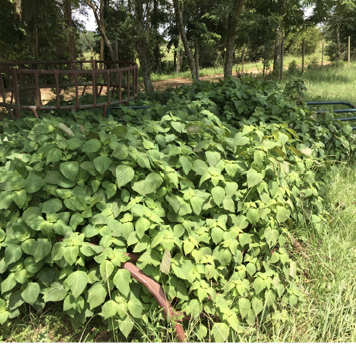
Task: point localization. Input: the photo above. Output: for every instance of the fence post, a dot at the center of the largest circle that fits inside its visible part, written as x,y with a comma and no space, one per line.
303,54
322,53
282,51
348,51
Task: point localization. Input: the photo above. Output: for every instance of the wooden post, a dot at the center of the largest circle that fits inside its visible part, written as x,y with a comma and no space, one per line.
196,59
348,50
303,54
282,51
322,53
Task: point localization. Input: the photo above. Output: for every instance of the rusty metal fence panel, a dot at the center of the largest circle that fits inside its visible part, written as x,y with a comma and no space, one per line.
31,85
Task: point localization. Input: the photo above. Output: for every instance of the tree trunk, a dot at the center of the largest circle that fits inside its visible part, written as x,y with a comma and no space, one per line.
157,48
102,43
101,26
231,33
71,41
188,52
277,49
18,8
179,54
197,58
142,47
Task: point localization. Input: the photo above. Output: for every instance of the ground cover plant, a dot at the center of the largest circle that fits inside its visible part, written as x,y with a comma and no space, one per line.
211,184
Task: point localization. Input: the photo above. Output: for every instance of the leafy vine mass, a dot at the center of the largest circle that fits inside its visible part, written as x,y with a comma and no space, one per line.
205,190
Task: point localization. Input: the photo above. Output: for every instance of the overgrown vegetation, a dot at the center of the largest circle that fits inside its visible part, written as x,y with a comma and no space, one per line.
211,184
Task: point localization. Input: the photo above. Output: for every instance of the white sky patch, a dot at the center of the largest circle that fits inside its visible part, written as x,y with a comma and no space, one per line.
88,21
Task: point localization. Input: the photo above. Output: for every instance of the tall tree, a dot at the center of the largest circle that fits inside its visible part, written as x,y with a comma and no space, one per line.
181,27
101,24
230,36
68,13
142,47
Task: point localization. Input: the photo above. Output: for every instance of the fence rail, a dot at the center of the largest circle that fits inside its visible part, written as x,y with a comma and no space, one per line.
24,85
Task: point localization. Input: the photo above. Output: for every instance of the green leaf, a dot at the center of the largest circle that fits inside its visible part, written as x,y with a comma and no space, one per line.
122,281
141,226
257,305
90,250
253,178
15,300
71,254
4,316
213,158
57,251
55,293
65,129
96,295
240,140
218,194
293,269
54,155
19,197
253,215
33,183
121,152
77,282
282,214
152,182
271,236
102,163
41,249
74,143
259,285
251,268
125,326
120,131
91,146
186,164
106,269
30,294
21,276
166,262
52,206
111,190
110,309
196,203
200,167
70,170
13,253
217,234
220,332
124,174
8,284
134,306
244,307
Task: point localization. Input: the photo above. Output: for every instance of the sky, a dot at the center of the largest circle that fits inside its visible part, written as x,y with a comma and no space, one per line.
89,21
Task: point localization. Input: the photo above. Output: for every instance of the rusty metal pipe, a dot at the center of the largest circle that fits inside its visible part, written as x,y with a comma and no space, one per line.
156,290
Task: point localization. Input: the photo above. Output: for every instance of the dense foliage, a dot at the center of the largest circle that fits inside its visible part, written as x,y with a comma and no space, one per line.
216,179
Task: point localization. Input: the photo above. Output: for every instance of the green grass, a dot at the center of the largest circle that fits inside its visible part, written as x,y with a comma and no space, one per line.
331,83
327,269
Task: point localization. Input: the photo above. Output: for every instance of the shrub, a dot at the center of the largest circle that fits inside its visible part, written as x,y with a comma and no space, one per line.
216,180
